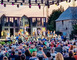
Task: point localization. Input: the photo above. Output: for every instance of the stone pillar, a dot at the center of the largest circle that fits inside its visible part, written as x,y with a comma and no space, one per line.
30,25
14,32
73,3
47,12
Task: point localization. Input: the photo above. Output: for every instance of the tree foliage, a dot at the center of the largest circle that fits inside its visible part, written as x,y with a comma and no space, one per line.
74,32
51,20
75,27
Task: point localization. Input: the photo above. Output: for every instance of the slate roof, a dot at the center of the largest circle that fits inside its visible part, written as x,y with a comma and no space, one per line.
69,14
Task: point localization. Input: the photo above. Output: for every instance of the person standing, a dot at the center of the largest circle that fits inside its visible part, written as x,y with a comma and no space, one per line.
71,56
75,56
34,54
59,56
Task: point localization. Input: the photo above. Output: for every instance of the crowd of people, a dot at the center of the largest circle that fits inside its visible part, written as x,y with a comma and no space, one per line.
50,47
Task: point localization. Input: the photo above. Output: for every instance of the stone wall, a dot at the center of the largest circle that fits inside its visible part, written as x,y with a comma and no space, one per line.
64,26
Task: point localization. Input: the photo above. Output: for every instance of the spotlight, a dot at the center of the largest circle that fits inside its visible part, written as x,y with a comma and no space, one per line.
17,5
21,4
1,2
48,6
45,3
8,0
35,1
61,0
52,2
69,0
57,2
23,1
15,0
48,3
30,5
12,3
66,0
29,1
39,6
4,5
42,1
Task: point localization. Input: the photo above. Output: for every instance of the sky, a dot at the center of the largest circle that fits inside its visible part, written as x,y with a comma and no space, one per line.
34,11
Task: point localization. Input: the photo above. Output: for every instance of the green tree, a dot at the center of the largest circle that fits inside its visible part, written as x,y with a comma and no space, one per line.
75,27
51,20
74,32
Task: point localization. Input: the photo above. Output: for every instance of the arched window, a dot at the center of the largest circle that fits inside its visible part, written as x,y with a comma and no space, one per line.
24,21
3,20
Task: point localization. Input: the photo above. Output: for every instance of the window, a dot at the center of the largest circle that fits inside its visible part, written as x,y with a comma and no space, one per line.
16,24
15,18
62,22
6,23
7,20
6,28
66,28
11,22
34,21
44,21
16,29
26,21
21,23
38,22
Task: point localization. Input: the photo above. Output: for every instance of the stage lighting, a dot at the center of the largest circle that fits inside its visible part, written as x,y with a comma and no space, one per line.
4,5
29,1
21,4
66,0
23,1
48,3
45,3
8,0
61,0
17,5
52,2
1,2
30,5
39,6
15,0
69,0
48,6
42,1
57,2
12,3
35,1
